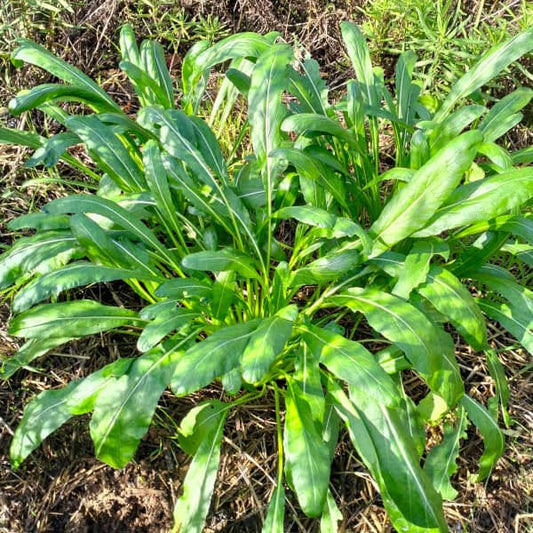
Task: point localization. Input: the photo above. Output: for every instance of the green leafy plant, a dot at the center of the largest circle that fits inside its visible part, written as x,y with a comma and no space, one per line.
267,265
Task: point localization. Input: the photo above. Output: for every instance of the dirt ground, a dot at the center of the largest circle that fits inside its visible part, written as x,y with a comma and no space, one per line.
63,488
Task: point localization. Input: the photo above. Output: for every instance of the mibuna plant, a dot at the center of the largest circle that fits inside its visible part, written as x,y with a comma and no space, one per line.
220,244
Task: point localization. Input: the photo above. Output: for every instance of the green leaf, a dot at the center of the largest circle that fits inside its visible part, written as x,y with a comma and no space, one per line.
481,200
494,125
309,87
123,414
515,319
20,138
213,357
77,318
44,415
497,372
331,515
108,209
109,152
312,169
493,439
152,55
165,322
55,92
307,214
328,268
35,54
350,361
453,125
441,460
413,205
180,289
307,455
221,260
199,423
451,298
416,265
276,511
503,282
490,65
223,293
267,342
310,124
192,507
29,351
128,45
390,455
52,408
53,150
359,55
68,277
156,178
270,78
28,253
429,349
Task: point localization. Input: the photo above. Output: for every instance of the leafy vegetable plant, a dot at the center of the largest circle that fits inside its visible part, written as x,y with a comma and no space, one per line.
261,265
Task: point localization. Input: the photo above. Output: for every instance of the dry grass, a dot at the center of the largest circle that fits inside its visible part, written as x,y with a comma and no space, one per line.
63,488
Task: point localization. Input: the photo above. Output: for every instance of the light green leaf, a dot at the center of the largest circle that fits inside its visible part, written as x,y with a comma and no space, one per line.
307,455
379,437
350,361
497,372
307,214
55,92
276,512
123,414
192,507
481,200
441,460
223,293
152,56
517,320
331,515
199,423
270,78
156,178
221,260
328,268
76,318
108,209
494,125
490,65
430,351
359,55
52,408
416,265
179,289
29,252
450,297
267,342
20,138
413,205
44,415
493,439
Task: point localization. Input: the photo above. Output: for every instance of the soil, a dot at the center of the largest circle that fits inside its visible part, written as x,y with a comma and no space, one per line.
63,488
